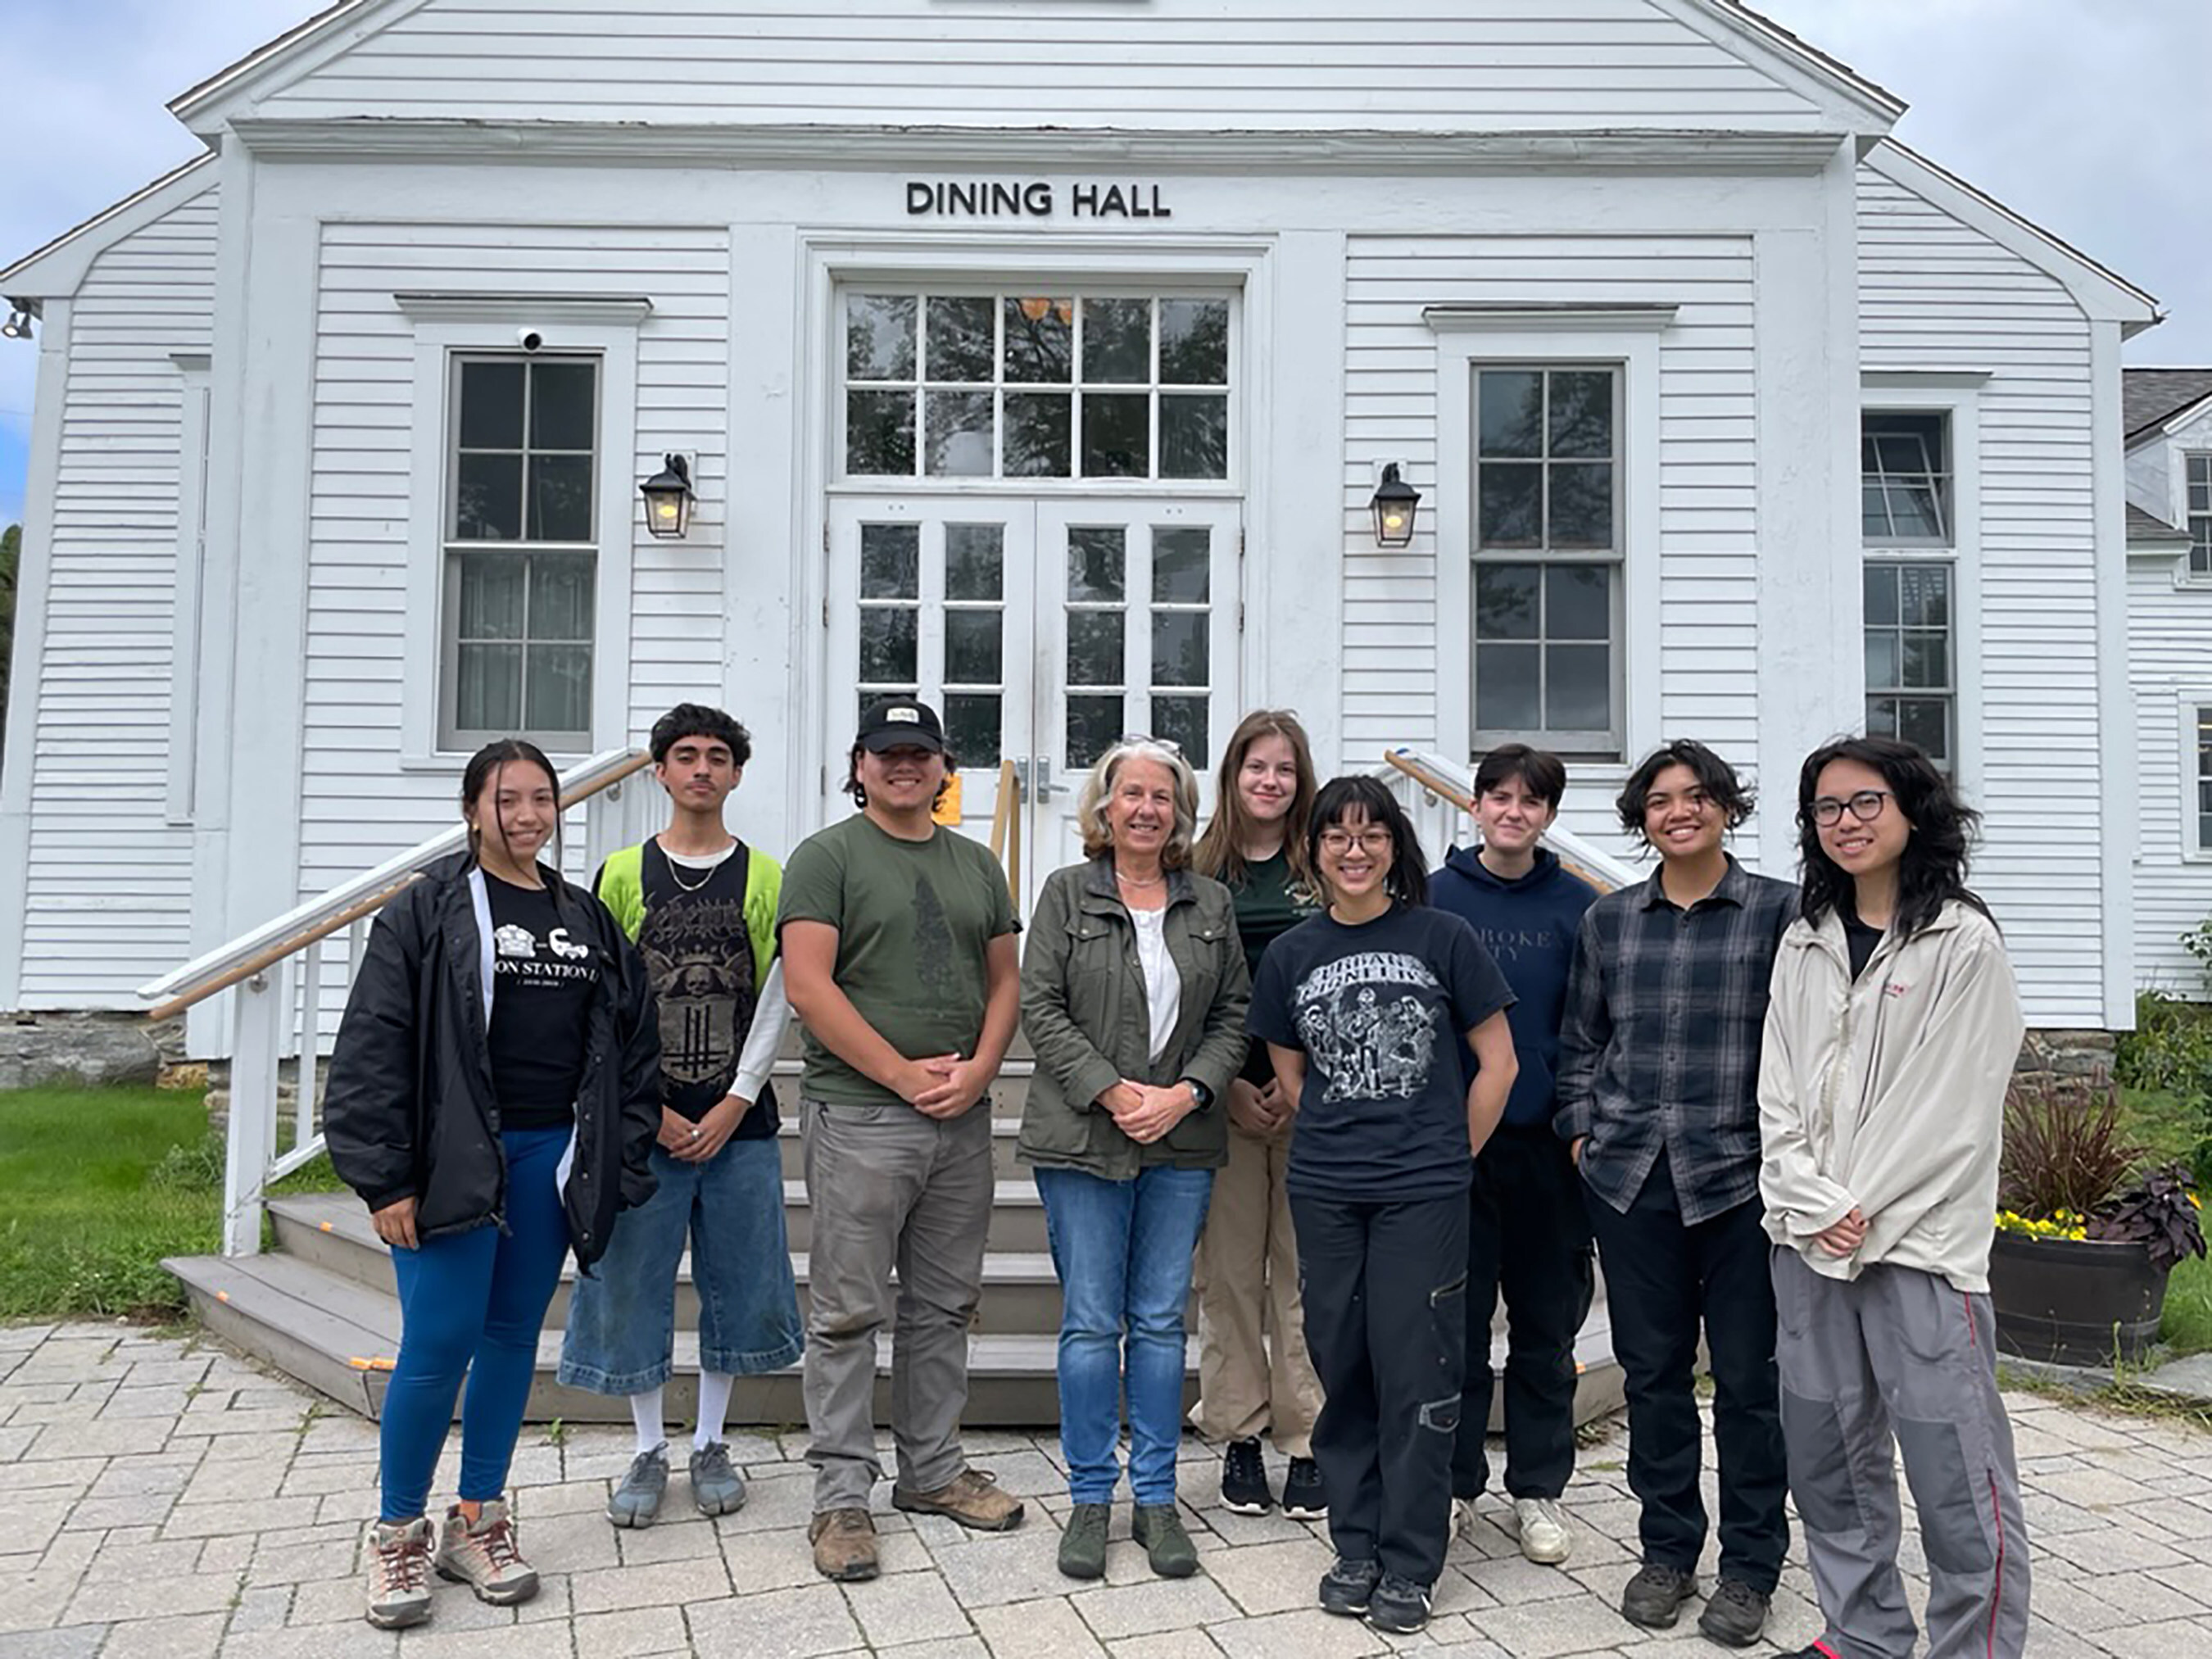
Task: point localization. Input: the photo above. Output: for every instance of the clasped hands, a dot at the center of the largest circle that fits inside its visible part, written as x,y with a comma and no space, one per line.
697,1143
943,1087
1846,1235
1144,1113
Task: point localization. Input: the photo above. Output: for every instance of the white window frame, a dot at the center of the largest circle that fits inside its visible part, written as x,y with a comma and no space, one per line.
1628,344
448,326
2188,702
1957,397
2185,571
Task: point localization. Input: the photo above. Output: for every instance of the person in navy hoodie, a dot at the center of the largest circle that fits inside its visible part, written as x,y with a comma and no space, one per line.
1526,908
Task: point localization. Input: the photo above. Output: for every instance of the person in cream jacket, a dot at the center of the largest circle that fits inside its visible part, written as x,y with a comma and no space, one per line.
1891,1034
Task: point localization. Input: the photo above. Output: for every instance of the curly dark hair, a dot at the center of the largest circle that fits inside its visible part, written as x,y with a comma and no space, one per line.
1715,776
1934,867
1359,795
697,719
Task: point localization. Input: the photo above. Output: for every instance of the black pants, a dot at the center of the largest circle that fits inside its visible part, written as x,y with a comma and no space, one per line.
1528,1235
1662,1278
1385,1289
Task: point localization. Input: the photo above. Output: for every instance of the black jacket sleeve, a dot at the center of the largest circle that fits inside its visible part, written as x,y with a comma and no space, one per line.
637,1038
370,1115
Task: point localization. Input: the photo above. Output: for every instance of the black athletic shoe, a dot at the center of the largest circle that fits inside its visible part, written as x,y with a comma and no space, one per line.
1348,1587
1244,1489
1653,1597
1399,1606
1734,1615
1304,1497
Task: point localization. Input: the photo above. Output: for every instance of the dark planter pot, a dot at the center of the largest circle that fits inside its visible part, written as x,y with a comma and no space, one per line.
2075,1301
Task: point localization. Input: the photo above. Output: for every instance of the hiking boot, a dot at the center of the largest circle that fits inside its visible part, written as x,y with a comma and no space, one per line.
716,1488
486,1556
637,1499
1244,1489
397,1558
844,1545
971,1498
1304,1497
1544,1535
1653,1597
1083,1545
1158,1528
1734,1615
1398,1605
1347,1587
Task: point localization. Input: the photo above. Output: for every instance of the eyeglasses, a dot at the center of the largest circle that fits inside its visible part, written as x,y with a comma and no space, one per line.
1370,840
1150,741
1866,806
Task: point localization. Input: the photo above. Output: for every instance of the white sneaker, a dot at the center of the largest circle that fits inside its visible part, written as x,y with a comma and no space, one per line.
1544,1534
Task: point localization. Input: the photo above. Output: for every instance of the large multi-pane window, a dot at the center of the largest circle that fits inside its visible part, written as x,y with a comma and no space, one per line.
1036,386
2198,807
520,551
1907,528
1547,558
2200,514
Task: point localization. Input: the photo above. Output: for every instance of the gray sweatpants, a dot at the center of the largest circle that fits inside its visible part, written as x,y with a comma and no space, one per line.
890,1187
1897,1360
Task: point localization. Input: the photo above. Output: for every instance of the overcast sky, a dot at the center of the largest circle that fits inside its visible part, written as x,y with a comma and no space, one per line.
2074,113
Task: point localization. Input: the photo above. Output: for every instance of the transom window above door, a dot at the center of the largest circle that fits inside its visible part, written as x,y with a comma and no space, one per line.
1036,385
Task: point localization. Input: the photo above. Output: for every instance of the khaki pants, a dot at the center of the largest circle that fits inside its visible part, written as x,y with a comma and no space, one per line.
1254,1374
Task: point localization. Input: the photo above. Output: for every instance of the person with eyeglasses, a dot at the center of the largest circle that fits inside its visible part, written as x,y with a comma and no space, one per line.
1891,1037
1659,1104
1134,995
1362,1008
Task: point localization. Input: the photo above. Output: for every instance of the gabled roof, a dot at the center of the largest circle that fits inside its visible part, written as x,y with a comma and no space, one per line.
55,270
2150,397
2149,527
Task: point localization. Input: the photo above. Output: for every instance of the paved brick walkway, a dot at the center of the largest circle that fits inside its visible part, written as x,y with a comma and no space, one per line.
164,1498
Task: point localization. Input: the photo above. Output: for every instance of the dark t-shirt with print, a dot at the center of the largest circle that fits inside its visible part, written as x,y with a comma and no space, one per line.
1378,1009
542,985
698,958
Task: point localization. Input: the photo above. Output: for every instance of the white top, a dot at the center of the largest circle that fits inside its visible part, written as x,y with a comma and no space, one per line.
1162,983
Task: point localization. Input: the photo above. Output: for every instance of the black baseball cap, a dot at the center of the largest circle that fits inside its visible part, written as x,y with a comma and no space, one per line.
900,723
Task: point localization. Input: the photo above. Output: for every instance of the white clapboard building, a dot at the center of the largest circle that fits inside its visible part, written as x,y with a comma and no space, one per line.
1047,358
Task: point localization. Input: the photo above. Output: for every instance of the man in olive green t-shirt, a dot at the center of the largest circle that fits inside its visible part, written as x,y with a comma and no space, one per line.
899,959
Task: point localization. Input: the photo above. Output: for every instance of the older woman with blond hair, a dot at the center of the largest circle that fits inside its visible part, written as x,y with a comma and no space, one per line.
1134,995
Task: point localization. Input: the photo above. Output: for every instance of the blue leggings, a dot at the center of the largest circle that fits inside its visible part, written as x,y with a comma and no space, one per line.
474,1302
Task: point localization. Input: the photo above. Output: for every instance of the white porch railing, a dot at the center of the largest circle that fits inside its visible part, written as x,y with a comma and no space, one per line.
1438,795
278,968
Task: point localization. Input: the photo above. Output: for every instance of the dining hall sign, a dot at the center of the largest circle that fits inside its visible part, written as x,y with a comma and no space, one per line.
1000,198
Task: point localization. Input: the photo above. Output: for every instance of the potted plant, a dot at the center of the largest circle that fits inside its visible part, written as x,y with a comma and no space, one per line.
2086,1235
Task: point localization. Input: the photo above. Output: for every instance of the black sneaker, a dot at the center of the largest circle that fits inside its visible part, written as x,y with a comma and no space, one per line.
1653,1597
1304,1497
1346,1588
1399,1606
1244,1489
1734,1615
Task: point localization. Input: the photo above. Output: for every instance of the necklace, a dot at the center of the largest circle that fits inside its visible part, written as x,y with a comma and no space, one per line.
676,873
1139,881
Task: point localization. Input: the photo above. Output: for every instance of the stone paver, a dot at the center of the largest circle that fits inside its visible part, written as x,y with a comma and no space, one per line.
163,1499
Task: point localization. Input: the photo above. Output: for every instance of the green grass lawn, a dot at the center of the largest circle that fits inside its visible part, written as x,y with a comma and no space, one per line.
2168,1126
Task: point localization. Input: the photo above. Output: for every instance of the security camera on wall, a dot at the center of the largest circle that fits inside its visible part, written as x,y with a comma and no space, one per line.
531,338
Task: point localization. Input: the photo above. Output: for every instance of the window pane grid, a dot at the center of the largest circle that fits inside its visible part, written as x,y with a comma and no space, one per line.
2205,777
2200,515
1904,482
1911,656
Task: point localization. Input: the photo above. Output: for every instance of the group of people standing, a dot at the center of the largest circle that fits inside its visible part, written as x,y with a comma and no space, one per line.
1360,1098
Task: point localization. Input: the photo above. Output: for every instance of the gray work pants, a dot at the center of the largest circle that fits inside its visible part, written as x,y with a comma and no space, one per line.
891,1188
1898,1360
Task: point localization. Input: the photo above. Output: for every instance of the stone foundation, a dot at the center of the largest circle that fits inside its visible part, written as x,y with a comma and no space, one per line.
2059,1054
93,1050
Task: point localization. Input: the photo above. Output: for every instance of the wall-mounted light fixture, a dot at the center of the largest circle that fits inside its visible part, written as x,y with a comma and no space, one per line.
18,325
1393,504
668,499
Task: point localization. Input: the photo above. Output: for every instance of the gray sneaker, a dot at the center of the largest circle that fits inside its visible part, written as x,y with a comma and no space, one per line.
716,1488
396,1555
637,1500
486,1557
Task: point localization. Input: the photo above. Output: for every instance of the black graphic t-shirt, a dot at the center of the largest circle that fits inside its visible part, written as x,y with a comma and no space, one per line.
699,957
542,984
1378,1009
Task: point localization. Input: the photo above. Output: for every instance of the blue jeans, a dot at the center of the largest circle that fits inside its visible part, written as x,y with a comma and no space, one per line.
1122,1250
621,1322
474,1302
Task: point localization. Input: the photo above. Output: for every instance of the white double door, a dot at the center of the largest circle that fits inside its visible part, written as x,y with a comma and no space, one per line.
1041,630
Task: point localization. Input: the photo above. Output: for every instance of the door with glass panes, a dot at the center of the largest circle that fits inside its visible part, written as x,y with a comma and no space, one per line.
1041,631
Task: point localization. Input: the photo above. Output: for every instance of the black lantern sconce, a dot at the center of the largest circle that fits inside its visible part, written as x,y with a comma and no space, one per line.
668,498
1395,503
18,325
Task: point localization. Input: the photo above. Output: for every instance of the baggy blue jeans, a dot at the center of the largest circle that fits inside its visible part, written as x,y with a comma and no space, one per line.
1122,1250
474,1303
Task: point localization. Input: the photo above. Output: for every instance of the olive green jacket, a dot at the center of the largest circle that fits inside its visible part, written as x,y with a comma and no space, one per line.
1084,1008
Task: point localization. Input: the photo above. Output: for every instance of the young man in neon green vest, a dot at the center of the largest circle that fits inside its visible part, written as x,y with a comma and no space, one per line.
701,906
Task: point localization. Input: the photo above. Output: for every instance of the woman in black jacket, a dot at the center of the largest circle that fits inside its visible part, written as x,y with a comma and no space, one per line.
493,1094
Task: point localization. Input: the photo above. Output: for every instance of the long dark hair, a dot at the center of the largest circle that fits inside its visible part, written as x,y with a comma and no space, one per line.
1341,798
1934,868
476,777
1221,849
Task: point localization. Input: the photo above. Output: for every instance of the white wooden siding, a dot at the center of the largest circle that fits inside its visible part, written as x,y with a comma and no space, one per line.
1936,292
2169,651
1708,632
108,902
1176,64
359,804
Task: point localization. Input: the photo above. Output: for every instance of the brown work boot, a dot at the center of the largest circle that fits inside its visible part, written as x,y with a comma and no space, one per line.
971,1498
844,1545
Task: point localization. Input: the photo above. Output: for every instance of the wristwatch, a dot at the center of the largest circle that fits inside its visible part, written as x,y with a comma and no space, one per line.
1199,1093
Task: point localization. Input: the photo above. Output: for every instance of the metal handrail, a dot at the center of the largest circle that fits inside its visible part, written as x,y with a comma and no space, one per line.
1449,781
